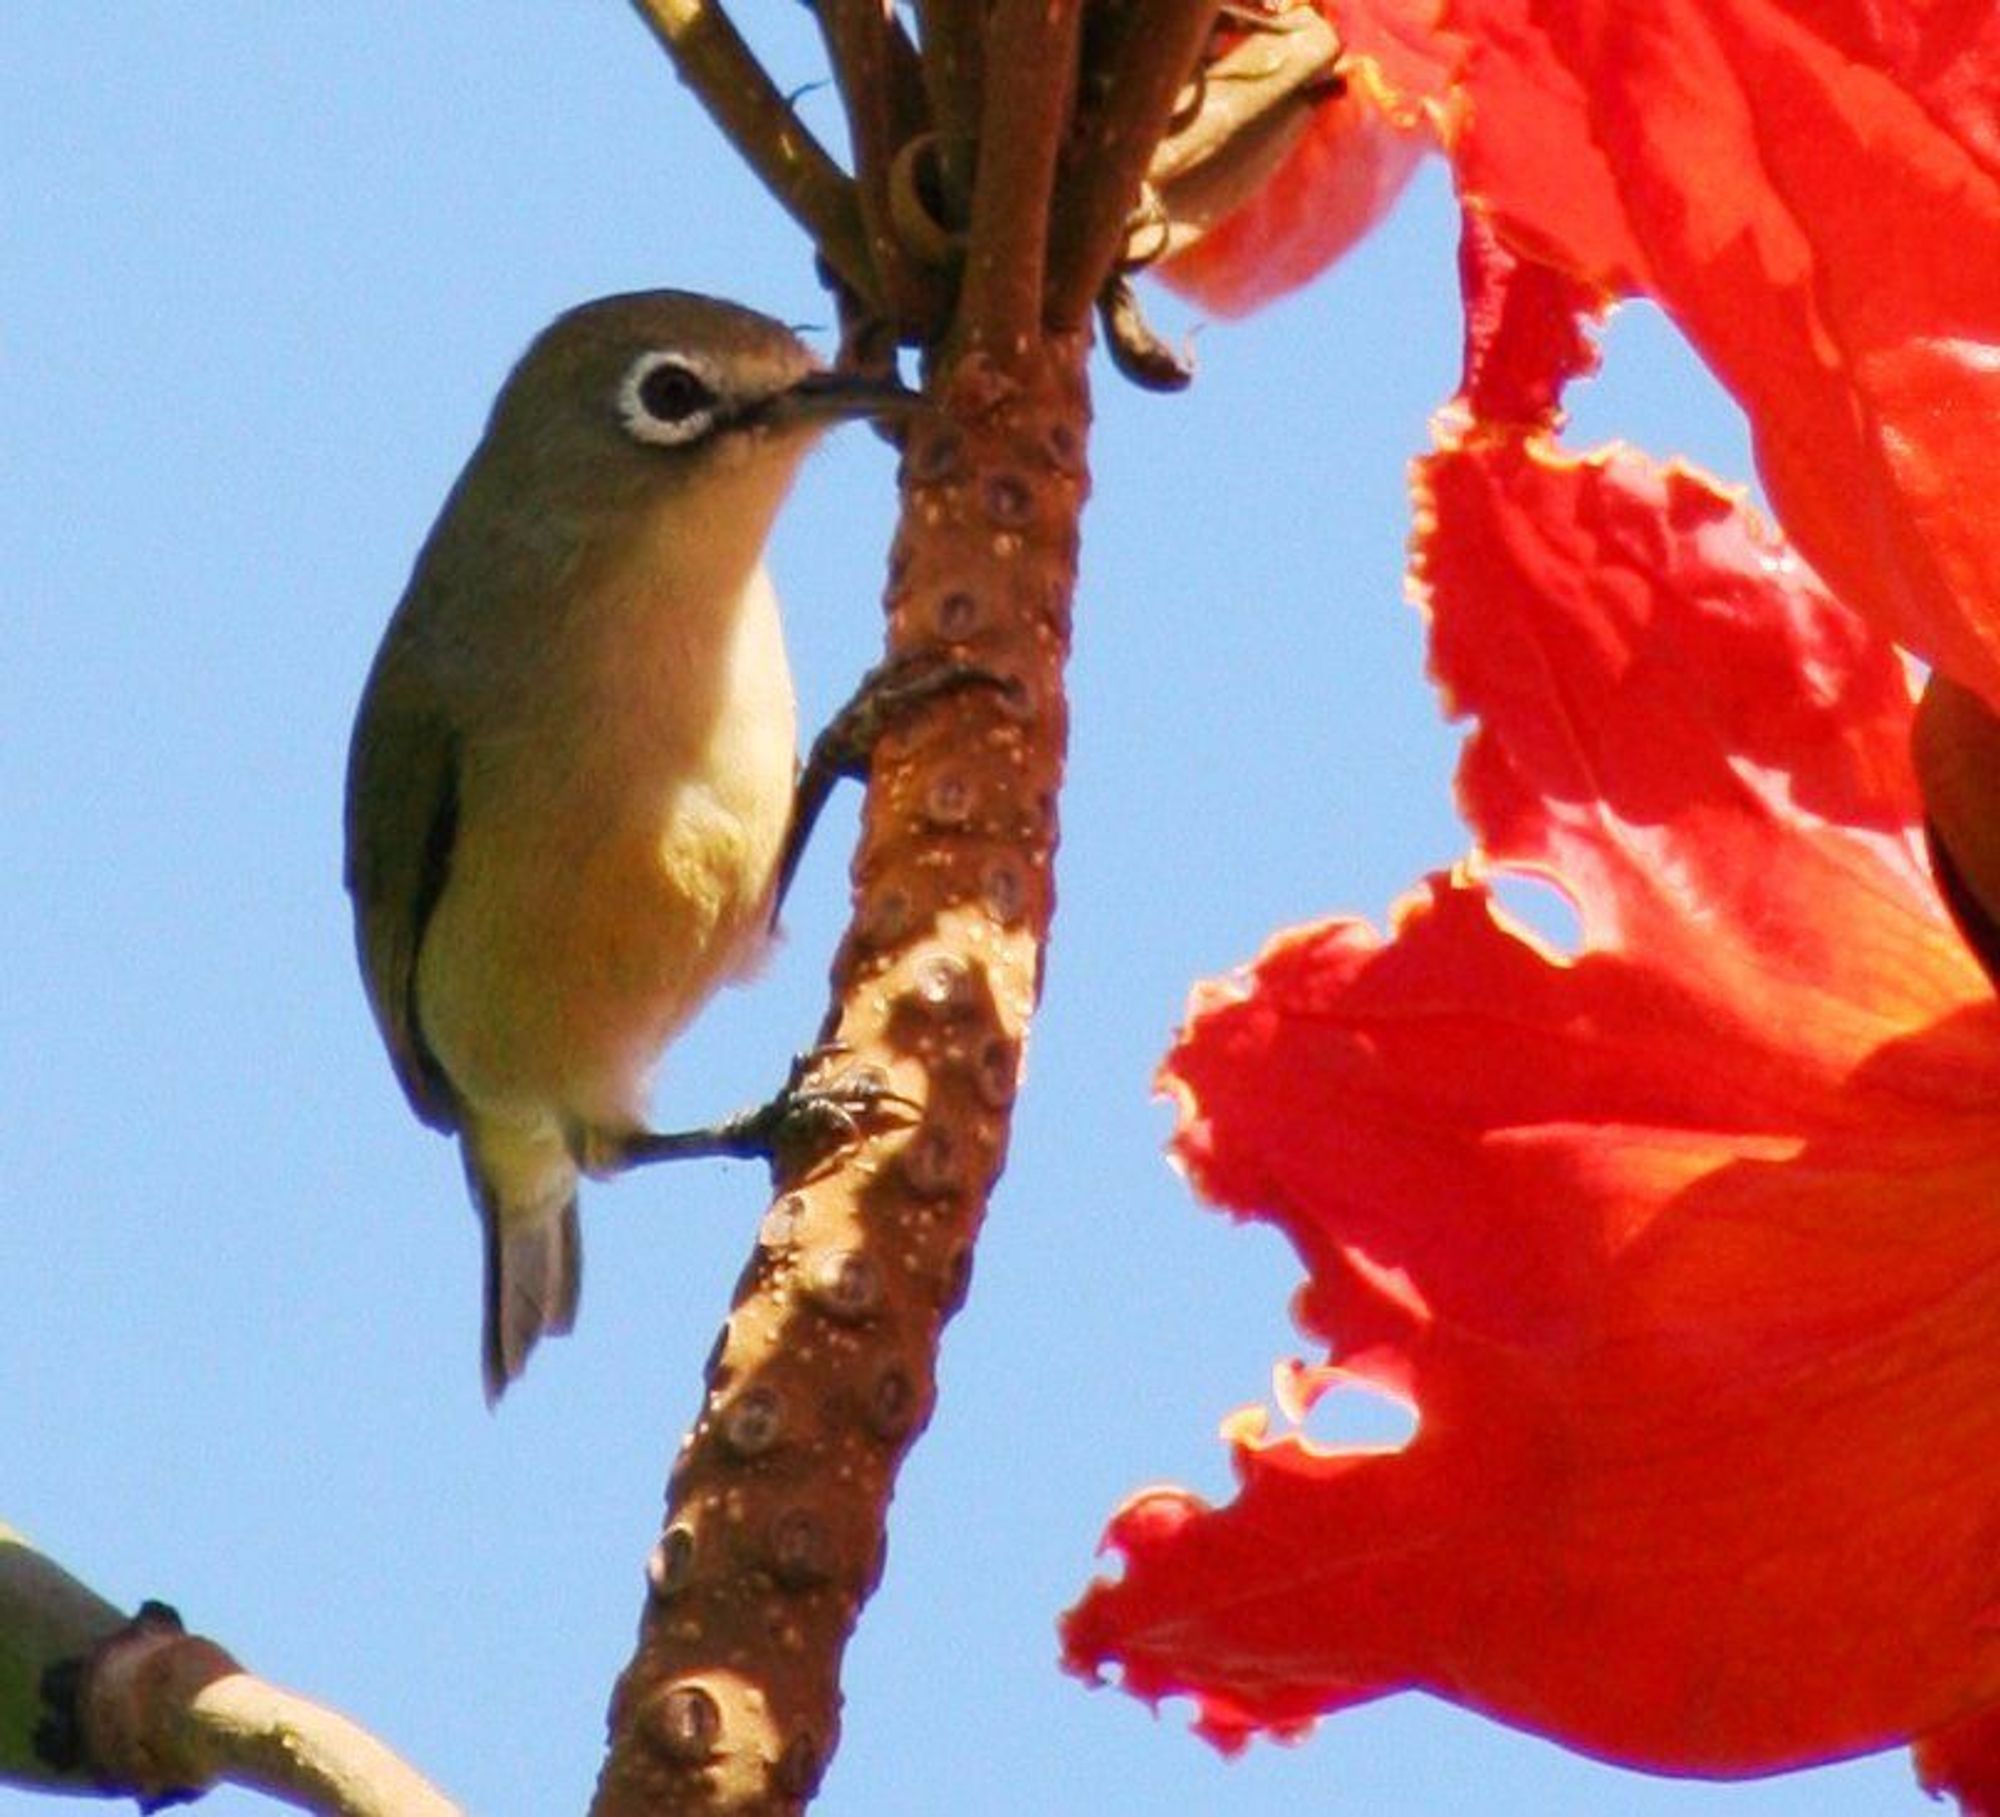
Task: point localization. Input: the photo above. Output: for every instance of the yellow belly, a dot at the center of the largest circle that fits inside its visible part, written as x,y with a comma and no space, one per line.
593,904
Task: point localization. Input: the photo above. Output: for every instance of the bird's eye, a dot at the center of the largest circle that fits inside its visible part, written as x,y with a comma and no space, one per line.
667,399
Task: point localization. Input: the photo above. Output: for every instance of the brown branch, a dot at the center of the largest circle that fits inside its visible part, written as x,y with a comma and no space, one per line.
91,1702
875,69
1141,55
953,37
826,1369
1030,85
230,1728
731,84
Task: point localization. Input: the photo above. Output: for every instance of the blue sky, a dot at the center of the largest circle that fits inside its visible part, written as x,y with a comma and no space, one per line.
261,269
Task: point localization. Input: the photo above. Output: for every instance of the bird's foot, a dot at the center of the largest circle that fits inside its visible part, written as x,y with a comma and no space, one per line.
888,694
795,1130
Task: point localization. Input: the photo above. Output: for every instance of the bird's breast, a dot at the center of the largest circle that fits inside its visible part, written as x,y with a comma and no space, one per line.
617,854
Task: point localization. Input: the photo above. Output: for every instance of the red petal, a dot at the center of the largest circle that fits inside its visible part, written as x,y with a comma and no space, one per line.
1813,191
1810,187
1963,1762
1343,172
1686,1247
1527,332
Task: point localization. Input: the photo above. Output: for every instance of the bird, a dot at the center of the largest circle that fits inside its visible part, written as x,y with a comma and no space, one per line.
572,766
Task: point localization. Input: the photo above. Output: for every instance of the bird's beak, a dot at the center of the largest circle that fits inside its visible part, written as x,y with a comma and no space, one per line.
826,396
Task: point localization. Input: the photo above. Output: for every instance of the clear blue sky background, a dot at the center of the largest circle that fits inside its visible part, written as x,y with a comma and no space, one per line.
261,268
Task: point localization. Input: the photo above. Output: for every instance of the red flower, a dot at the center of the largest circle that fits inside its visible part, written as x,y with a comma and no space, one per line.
1686,1249
1811,188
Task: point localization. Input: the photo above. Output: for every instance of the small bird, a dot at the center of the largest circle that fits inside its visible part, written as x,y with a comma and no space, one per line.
572,769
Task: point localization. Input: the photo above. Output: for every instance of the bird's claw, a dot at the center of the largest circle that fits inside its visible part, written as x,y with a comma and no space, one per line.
795,1130
888,693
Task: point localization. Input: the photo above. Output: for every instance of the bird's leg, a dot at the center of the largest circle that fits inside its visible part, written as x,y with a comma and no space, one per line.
793,1130
887,694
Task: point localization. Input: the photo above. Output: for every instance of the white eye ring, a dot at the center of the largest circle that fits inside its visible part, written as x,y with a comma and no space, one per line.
669,399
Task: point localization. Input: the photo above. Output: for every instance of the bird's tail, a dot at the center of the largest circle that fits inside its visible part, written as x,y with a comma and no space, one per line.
534,1259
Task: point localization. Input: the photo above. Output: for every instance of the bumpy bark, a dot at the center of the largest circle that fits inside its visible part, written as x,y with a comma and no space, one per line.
825,1372
998,161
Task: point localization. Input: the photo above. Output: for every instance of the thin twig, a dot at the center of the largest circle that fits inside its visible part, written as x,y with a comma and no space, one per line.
1142,53
1031,58
727,79
271,1740
875,69
953,35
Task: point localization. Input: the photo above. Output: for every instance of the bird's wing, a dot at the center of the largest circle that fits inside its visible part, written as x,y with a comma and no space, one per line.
402,821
